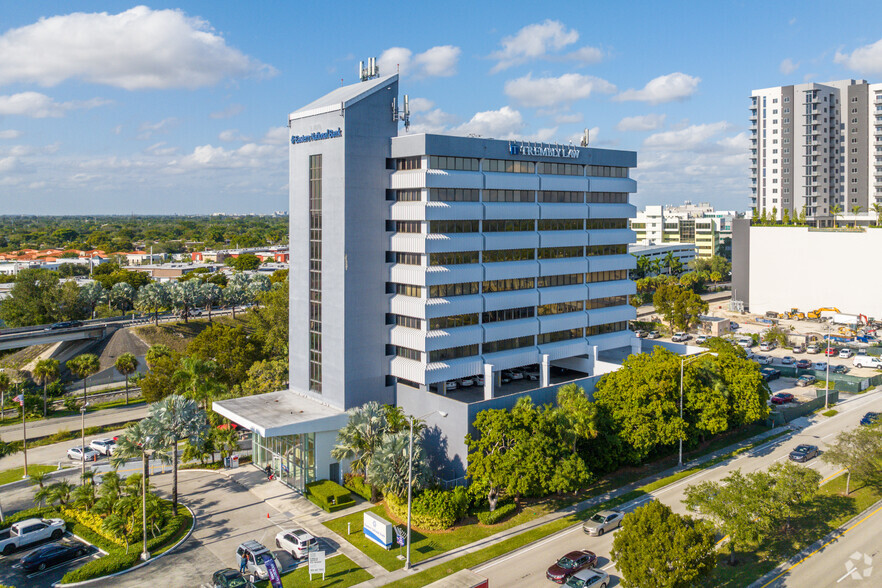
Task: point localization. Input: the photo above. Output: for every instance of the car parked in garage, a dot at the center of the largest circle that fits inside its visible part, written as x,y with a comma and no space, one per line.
803,453
574,561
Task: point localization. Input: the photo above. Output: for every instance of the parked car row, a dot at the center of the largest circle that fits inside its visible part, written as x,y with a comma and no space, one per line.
97,448
530,372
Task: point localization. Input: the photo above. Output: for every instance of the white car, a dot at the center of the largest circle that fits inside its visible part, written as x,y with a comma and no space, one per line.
845,353
533,376
449,386
767,346
763,359
680,336
868,361
479,380
701,339
466,383
746,342
103,446
819,366
514,375
77,453
653,335
297,542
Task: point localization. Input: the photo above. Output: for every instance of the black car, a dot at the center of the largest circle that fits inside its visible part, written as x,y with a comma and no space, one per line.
871,418
770,374
64,325
228,578
51,555
839,369
804,453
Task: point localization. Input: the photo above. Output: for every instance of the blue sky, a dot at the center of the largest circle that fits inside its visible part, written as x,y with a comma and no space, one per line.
181,107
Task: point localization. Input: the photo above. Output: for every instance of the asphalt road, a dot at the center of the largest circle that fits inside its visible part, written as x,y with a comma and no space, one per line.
45,427
847,560
11,573
53,454
527,566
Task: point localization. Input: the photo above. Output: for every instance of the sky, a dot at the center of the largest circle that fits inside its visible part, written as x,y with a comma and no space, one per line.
181,108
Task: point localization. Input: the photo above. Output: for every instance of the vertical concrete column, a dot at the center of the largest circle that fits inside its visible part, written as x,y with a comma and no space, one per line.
544,369
592,357
443,386
489,381
636,345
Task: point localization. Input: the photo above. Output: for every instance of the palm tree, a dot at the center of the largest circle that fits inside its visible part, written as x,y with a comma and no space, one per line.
178,418
197,379
92,294
669,261
155,352
211,295
84,366
187,295
389,465
257,285
877,208
60,492
84,496
237,293
122,296
126,364
226,441
835,211
45,372
109,492
642,266
4,386
855,210
153,297
656,266
39,478
361,437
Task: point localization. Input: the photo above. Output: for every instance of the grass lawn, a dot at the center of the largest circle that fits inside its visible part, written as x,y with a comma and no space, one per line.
340,572
829,510
177,335
14,475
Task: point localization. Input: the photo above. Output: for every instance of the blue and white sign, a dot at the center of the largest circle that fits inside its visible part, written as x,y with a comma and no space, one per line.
272,572
543,150
378,530
317,136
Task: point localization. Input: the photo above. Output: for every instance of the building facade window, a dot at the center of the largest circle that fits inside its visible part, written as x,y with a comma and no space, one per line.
448,290
508,285
509,196
606,302
408,226
315,273
560,280
506,344
593,224
453,163
507,225
405,163
607,197
560,252
607,249
606,276
606,171
509,166
408,195
408,353
453,353
508,314
453,195
454,226
561,336
607,328
451,322
561,196
561,224
561,169
561,307
497,255
408,321
454,258
409,290
408,258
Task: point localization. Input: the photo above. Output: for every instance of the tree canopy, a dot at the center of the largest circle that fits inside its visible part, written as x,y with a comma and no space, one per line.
678,306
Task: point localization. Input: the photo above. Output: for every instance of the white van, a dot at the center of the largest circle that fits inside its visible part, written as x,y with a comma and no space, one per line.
867,361
745,342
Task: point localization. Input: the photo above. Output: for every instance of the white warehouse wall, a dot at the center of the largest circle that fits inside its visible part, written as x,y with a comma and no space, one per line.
808,269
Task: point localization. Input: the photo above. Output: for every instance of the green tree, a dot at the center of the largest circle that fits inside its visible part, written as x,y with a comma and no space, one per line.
177,419
237,292
197,380
187,296
776,335
160,380
122,297
679,307
269,323
859,451
212,295
153,297
855,210
388,466
244,262
33,300
70,305
360,438
230,348
489,459
45,372
156,352
657,548
92,294
59,492
266,376
83,366
877,210
576,414
835,212
126,364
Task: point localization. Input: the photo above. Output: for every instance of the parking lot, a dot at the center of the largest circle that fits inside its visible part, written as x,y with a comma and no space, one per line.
12,574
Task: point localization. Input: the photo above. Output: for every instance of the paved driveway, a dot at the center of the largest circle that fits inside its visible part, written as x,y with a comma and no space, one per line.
11,573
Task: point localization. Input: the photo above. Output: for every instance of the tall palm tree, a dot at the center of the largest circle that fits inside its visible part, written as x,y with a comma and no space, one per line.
84,366
126,364
877,209
5,383
39,478
60,492
669,261
361,436
855,210
177,419
389,467
835,211
226,441
197,379
211,295
45,372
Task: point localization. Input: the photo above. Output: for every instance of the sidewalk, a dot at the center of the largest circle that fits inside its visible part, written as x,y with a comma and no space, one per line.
538,522
294,510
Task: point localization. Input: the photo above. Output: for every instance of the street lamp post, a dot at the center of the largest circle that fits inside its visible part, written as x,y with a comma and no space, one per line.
410,478
83,438
145,555
682,364
827,382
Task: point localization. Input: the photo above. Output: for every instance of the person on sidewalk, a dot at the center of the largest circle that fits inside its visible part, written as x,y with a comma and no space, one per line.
243,565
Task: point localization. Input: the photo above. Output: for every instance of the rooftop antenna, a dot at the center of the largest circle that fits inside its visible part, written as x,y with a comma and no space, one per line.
584,142
371,71
403,114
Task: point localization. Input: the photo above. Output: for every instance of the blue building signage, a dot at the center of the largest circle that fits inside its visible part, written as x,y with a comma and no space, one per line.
542,149
318,136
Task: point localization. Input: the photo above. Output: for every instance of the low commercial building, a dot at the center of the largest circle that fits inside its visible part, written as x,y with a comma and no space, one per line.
684,252
708,229
777,268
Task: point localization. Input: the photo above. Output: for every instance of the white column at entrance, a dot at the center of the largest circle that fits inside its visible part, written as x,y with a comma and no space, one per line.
545,368
636,345
592,357
489,381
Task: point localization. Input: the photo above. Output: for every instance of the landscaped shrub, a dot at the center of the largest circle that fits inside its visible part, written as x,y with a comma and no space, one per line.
432,510
329,495
492,517
356,484
109,564
174,526
42,512
93,521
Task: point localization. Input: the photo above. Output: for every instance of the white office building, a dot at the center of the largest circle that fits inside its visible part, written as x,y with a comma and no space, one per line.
422,259
816,147
709,230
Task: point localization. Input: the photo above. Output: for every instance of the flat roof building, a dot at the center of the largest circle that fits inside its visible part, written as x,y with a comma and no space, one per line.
426,259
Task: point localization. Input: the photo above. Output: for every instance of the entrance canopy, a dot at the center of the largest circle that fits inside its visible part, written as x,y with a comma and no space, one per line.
281,413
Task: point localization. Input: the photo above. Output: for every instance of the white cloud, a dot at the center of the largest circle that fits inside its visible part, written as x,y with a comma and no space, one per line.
431,121
787,67
533,42
573,117
502,124
10,134
136,49
250,155
276,136
37,105
585,56
228,112
685,139
231,135
438,61
148,129
675,86
552,91
866,59
161,149
420,105
646,122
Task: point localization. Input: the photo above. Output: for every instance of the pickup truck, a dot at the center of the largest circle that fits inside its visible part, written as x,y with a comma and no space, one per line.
29,531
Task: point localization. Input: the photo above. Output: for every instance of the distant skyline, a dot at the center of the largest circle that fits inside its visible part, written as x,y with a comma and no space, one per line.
180,108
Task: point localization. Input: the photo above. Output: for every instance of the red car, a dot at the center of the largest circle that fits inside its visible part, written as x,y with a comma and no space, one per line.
782,398
831,352
804,364
569,564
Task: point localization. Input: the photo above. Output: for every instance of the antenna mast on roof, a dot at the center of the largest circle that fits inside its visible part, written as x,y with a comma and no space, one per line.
402,115
371,71
584,142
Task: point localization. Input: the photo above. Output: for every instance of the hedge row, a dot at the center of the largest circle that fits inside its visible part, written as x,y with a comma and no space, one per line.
93,521
329,495
432,510
109,564
487,517
357,484
39,512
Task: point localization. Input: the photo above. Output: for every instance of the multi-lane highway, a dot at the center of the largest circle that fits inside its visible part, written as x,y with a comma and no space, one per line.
526,566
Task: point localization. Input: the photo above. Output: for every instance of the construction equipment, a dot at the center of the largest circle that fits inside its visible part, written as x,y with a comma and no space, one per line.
816,314
795,315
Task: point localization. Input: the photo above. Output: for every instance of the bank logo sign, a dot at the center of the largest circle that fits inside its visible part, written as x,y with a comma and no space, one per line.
543,150
329,134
